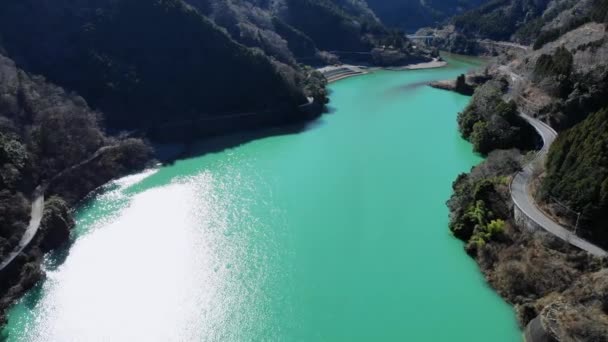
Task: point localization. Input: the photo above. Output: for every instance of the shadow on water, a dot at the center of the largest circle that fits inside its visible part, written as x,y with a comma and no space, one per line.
33,296
221,143
407,87
217,144
58,256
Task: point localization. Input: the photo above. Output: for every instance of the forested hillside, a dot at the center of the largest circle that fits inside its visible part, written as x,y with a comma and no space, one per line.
43,131
526,22
562,82
561,79
145,62
577,174
491,123
499,19
304,31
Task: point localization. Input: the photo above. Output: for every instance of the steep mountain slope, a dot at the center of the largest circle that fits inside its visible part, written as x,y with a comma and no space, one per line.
577,172
566,79
519,22
146,61
168,60
569,84
562,17
499,19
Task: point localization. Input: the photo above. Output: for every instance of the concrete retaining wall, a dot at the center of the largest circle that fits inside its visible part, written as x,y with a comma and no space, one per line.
522,220
535,332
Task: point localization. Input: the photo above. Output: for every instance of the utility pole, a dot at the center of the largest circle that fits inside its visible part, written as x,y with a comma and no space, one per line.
578,213
578,216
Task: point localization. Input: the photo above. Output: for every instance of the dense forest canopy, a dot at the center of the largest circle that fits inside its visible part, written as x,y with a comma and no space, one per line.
144,60
577,173
499,19
490,123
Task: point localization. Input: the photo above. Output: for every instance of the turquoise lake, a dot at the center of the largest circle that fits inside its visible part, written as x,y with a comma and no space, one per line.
335,233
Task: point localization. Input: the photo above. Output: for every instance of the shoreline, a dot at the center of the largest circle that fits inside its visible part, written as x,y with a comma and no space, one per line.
434,64
172,148
336,79
351,70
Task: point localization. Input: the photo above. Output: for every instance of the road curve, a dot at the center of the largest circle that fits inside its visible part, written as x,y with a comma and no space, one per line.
520,193
504,44
38,207
32,227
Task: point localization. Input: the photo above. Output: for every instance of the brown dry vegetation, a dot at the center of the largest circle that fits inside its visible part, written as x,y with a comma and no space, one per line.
531,270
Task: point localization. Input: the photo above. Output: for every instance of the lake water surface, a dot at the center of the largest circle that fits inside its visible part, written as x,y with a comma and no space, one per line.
336,233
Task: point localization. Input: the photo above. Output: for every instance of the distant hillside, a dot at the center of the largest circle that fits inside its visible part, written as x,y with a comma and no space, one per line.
529,21
525,22
411,15
499,19
302,31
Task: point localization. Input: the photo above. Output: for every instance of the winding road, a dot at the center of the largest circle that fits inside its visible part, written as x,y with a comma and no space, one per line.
520,186
32,227
504,44
37,206
520,193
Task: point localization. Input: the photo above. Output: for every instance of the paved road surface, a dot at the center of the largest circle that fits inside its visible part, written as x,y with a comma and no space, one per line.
505,44
520,193
32,227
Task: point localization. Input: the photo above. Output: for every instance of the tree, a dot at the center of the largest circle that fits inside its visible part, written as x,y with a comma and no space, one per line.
577,174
